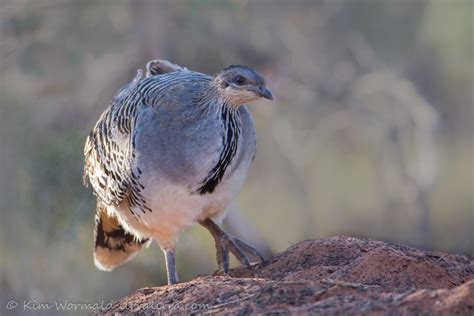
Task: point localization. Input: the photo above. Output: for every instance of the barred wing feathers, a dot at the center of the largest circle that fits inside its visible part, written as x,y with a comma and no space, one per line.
109,150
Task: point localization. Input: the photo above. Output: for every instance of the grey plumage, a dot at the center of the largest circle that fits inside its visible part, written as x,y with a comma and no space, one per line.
172,149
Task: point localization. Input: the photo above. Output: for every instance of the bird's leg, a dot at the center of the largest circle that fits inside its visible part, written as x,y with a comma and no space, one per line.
226,242
170,255
222,255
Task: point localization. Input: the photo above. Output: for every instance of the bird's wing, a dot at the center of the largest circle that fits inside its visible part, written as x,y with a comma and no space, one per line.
109,151
110,163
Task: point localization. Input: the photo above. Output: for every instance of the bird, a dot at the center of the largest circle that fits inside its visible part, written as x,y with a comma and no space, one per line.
172,149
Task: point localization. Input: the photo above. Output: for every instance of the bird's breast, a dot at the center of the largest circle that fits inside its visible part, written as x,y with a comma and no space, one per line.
175,162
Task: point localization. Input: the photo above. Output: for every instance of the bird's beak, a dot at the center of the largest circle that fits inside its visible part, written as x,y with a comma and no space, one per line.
264,93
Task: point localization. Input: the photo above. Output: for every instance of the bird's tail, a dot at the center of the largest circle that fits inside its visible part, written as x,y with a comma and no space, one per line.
113,245
160,66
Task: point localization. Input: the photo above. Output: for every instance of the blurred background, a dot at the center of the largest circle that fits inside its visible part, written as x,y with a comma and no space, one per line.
370,133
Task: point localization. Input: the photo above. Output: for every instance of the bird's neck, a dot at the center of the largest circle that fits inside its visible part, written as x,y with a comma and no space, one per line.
212,99
228,121
219,86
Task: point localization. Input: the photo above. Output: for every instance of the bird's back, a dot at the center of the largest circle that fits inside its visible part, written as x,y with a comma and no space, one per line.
182,136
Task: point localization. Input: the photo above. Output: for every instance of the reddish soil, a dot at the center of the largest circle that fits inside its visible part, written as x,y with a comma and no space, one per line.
330,276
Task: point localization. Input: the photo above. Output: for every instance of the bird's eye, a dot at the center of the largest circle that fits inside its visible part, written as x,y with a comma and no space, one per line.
239,80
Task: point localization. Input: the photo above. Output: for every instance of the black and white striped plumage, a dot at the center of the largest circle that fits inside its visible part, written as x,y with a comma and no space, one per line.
172,149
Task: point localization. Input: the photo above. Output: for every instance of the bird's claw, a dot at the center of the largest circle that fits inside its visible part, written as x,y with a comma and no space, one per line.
226,243
238,248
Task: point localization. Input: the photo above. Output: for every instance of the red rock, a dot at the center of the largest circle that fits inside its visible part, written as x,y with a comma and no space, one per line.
329,276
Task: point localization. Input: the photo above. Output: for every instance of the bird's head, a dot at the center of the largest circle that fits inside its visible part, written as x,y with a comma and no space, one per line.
240,84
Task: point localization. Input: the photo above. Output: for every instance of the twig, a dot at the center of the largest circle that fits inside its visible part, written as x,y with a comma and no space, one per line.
401,254
398,299
213,308
359,286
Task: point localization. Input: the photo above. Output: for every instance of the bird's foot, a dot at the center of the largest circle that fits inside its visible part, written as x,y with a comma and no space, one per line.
226,243
239,248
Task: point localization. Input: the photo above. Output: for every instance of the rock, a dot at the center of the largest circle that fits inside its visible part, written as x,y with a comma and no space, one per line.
329,276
